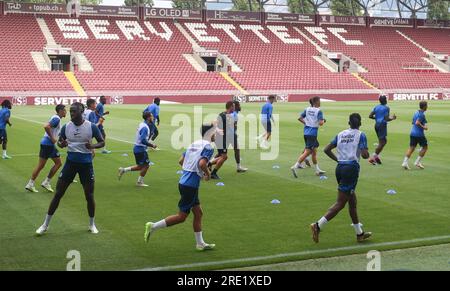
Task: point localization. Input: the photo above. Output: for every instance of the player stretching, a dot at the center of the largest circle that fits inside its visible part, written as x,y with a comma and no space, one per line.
76,136
154,110
100,118
381,115
5,114
417,136
266,120
195,166
312,118
48,150
237,150
351,144
143,135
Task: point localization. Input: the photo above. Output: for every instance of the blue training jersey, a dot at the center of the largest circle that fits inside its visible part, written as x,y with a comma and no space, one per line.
416,130
192,178
5,113
266,111
55,126
154,110
381,113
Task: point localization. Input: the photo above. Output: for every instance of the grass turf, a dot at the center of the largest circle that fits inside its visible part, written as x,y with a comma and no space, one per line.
238,217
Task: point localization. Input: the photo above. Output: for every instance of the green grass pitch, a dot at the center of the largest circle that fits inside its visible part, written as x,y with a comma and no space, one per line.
238,217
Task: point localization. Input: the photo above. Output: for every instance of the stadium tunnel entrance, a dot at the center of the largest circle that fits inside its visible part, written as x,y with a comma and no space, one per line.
60,63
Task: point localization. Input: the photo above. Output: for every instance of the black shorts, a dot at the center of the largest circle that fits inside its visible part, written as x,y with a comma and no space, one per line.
311,141
189,198
421,140
3,135
142,159
267,126
347,177
381,130
84,170
48,152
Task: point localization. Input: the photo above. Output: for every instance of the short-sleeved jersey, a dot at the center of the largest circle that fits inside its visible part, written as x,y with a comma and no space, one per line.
142,137
416,130
381,113
153,109
5,114
55,124
266,111
90,116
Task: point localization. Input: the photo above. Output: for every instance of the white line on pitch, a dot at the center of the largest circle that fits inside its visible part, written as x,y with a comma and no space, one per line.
296,254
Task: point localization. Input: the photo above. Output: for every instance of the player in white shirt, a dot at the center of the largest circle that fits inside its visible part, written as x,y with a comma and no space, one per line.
350,144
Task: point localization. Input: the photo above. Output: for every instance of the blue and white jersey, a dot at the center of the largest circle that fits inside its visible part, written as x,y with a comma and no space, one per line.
416,130
154,110
90,116
77,137
5,114
266,112
142,137
312,116
349,144
192,174
55,124
381,113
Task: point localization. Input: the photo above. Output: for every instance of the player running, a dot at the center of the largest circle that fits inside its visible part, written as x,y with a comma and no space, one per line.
154,110
224,138
237,150
100,118
312,118
381,115
5,114
266,120
48,151
195,167
417,136
143,135
351,144
76,136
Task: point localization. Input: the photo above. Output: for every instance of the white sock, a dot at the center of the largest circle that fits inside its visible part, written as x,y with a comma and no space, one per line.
405,160
159,224
47,220
91,221
141,179
31,182
419,159
199,238
46,181
128,169
375,155
322,222
238,165
297,165
358,228
4,152
317,167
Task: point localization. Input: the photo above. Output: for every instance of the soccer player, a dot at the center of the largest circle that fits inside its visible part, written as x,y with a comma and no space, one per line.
224,138
48,150
195,167
100,113
90,112
381,115
77,136
351,144
266,118
5,114
417,136
237,150
143,135
154,110
312,118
